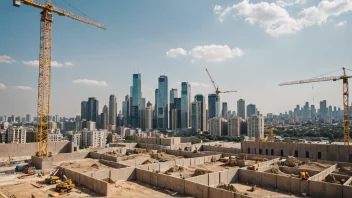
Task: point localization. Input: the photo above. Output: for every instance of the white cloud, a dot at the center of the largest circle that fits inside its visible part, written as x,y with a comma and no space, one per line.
6,59
196,84
340,24
174,53
35,63
214,53
276,21
288,3
22,87
90,82
2,86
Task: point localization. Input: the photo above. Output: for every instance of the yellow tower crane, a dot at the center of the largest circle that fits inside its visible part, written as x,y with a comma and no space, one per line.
271,137
345,93
44,82
217,91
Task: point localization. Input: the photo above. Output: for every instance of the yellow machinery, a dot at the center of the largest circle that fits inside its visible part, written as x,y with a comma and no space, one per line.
345,93
66,186
52,180
291,161
304,175
44,82
271,137
217,91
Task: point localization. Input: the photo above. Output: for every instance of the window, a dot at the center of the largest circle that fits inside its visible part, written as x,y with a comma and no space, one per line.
260,151
296,153
249,150
272,151
319,155
266,152
282,152
307,154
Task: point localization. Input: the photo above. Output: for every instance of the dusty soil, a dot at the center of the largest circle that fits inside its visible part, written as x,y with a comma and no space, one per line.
314,166
24,188
192,171
276,170
260,192
83,165
344,171
136,189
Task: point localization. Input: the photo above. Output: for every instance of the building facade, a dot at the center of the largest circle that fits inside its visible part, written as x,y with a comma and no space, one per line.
162,103
17,135
112,110
251,110
185,104
94,138
203,117
234,126
255,126
92,109
213,106
241,108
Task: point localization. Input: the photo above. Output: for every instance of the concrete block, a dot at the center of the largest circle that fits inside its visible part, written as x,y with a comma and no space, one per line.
228,176
316,188
146,176
101,174
42,163
269,180
296,185
164,166
124,174
333,190
214,179
283,183
162,180
139,174
186,162
154,179
347,191
217,192
251,177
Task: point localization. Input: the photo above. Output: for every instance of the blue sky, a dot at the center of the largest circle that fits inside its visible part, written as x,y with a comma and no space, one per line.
247,46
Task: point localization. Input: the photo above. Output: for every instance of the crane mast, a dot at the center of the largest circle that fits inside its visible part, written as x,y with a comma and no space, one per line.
344,78
217,91
44,80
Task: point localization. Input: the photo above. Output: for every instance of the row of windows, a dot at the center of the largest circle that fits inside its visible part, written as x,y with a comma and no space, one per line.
281,152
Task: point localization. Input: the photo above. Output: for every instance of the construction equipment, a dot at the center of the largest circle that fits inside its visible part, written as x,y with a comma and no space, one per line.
217,91
52,180
271,137
291,161
252,167
345,93
304,175
44,82
66,186
29,169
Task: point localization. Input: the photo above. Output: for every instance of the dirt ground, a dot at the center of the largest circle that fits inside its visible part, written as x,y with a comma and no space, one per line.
276,170
137,189
208,167
315,166
145,155
260,192
83,165
344,171
22,188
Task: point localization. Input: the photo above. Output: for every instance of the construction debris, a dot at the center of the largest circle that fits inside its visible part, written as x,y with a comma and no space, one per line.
95,166
147,162
174,169
200,172
228,187
331,178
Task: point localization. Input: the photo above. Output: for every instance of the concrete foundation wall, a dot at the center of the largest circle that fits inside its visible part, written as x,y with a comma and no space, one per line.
347,188
93,184
201,179
323,189
100,175
150,146
69,156
29,149
124,174
220,149
196,190
112,164
217,192
320,176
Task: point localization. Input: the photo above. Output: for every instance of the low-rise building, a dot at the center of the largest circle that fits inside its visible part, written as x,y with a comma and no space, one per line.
94,138
17,135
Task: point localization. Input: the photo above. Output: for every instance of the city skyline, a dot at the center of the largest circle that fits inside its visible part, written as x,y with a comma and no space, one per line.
100,63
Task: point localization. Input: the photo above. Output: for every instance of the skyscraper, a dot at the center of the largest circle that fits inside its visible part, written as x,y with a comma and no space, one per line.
313,111
185,104
126,111
241,108
251,110
203,117
148,117
92,109
173,95
155,111
213,106
306,112
323,109
28,118
112,110
196,116
162,103
224,110
84,110
136,100
104,117
255,126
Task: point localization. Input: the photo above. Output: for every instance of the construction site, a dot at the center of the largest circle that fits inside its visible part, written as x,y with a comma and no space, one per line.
197,170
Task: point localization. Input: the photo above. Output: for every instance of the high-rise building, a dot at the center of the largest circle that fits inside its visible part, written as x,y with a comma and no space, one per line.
313,112
84,110
162,103
28,118
126,111
241,108
112,110
306,111
93,106
155,111
217,126
148,117
17,135
234,126
173,95
203,117
185,104
213,106
251,110
224,110
176,114
323,109
136,95
196,116
330,110
104,118
255,126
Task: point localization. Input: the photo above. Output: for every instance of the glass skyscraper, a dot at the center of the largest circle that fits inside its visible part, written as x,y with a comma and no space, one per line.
162,103
251,110
92,109
136,99
203,116
173,95
185,104
213,106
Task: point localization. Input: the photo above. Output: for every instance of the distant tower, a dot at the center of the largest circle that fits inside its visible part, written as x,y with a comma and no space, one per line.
112,110
173,95
213,106
104,117
251,110
224,110
84,110
185,104
148,115
241,108
92,107
203,116
136,99
162,103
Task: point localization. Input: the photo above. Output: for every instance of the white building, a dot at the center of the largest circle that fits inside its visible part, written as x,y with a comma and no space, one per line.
148,117
94,138
255,126
130,132
91,126
234,126
17,135
216,125
55,135
75,138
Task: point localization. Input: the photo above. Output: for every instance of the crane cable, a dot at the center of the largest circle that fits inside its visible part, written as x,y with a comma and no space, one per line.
76,9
